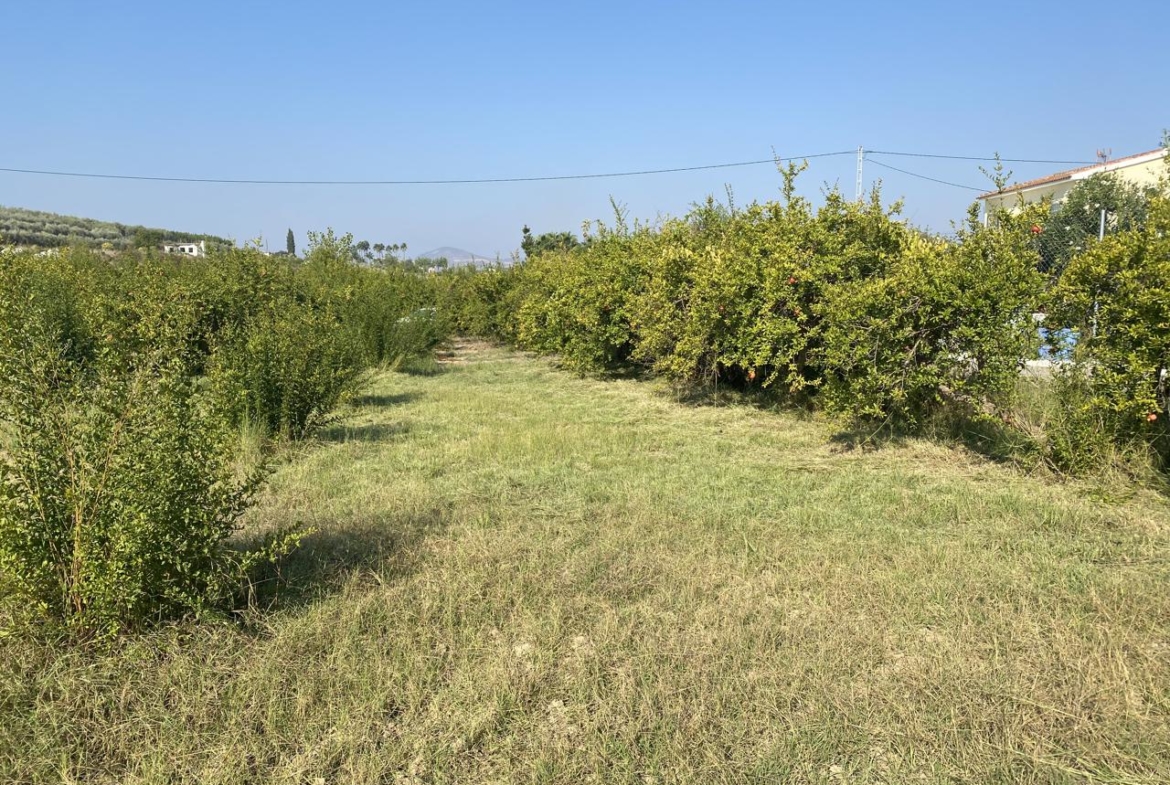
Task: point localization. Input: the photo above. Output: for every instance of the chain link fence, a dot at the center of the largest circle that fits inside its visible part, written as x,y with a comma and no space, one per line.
1064,236
1057,242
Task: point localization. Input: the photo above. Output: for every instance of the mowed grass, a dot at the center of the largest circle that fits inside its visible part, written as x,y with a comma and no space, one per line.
523,576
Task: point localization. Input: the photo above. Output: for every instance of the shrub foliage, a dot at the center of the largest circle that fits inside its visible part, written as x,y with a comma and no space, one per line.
843,305
124,383
846,308
1116,296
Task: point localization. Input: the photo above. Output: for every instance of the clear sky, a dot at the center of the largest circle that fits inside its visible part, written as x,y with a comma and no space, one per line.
360,90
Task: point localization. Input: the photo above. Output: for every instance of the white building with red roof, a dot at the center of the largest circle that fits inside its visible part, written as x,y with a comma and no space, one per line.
1144,169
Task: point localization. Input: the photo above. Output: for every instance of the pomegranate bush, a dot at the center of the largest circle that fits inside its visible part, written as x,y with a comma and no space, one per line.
1116,296
842,306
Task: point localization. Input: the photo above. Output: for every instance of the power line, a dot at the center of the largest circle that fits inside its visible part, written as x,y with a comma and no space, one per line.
924,177
981,158
548,178
233,181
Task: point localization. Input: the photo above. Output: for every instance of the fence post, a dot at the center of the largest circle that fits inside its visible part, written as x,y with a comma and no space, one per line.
1100,236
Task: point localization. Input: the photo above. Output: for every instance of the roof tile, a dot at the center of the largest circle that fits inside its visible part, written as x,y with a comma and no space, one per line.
1065,175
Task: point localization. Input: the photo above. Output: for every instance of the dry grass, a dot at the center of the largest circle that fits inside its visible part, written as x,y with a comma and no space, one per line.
521,576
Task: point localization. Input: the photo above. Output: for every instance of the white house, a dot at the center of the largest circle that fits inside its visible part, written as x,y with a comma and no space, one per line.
1143,169
187,249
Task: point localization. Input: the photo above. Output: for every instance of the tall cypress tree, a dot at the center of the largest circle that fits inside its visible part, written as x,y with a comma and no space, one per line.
290,243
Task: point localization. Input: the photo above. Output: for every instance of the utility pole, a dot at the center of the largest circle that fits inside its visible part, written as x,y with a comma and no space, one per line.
860,165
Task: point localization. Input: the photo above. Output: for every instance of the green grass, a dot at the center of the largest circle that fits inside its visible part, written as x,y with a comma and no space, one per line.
522,576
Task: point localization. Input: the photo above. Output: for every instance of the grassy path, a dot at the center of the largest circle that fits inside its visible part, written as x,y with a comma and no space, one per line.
521,576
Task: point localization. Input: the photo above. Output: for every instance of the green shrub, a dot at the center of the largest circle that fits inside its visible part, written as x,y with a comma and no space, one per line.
286,369
413,336
117,490
390,315
388,311
477,302
124,383
843,306
741,297
282,344
939,322
1116,296
1078,438
577,303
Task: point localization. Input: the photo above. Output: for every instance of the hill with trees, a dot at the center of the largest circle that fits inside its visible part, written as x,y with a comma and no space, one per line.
19,226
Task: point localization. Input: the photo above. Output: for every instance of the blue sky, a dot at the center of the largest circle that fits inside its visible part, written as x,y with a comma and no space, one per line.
362,90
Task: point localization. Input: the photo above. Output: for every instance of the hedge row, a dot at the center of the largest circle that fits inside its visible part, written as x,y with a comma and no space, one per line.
846,308
842,305
124,385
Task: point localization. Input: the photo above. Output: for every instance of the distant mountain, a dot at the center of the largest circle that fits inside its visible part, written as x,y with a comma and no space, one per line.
19,226
456,257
